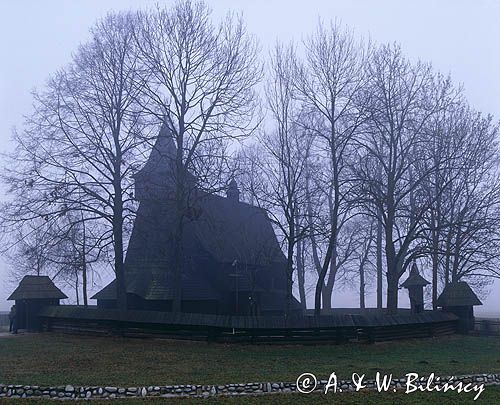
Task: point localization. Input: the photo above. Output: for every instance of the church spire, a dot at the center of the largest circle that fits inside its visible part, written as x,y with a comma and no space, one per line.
158,174
164,151
158,170
233,193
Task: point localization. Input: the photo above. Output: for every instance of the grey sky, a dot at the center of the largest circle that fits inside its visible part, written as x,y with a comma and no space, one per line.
458,37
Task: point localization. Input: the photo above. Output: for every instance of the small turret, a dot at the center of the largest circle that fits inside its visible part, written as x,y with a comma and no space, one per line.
233,193
415,284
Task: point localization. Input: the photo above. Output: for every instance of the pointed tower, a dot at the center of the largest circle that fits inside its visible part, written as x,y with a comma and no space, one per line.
233,193
156,176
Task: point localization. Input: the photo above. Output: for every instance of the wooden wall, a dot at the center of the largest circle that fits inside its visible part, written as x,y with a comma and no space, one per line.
303,330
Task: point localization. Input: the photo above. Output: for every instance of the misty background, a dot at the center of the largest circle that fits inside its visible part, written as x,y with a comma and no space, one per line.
458,37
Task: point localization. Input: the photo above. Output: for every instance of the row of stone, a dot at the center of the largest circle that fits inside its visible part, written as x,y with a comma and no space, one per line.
69,391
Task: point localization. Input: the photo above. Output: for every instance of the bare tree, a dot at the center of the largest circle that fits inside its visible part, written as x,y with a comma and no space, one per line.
393,141
76,250
365,249
328,84
84,140
29,247
60,247
466,244
281,164
200,81
287,154
440,130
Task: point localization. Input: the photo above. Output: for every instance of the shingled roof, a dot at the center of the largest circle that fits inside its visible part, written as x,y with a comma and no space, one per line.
152,285
414,279
162,157
36,287
233,230
159,169
458,294
229,231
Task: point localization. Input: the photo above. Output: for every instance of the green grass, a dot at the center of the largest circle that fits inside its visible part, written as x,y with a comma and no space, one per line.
491,395
51,359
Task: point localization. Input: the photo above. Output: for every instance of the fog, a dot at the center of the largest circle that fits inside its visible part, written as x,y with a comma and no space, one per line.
458,37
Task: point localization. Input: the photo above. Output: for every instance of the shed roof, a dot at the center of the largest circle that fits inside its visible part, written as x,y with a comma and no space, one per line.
36,287
458,294
414,279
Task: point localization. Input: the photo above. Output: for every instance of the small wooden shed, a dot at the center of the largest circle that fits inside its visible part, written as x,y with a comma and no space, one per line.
459,299
415,284
31,295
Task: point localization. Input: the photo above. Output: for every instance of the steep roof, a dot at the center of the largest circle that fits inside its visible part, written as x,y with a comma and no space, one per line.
233,230
159,169
414,279
163,154
458,294
36,287
227,228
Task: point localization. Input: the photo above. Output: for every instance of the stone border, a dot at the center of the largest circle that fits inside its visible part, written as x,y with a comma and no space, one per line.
189,390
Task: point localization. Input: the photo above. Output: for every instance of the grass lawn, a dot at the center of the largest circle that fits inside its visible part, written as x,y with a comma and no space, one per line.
51,359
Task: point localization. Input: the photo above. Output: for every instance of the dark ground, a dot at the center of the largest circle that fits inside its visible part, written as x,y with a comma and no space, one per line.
52,359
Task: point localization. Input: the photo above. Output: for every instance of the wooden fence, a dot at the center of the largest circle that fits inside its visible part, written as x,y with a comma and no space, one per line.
487,326
4,321
339,328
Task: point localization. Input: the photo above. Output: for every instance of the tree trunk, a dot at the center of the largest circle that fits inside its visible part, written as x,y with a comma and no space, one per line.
392,274
84,266
320,284
449,238
436,225
121,286
380,271
77,285
456,256
364,259
390,250
301,274
289,269
121,292
331,252
392,293
84,287
362,287
447,263
435,264
327,297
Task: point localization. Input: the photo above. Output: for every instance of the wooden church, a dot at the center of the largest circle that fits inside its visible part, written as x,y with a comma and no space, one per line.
231,259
